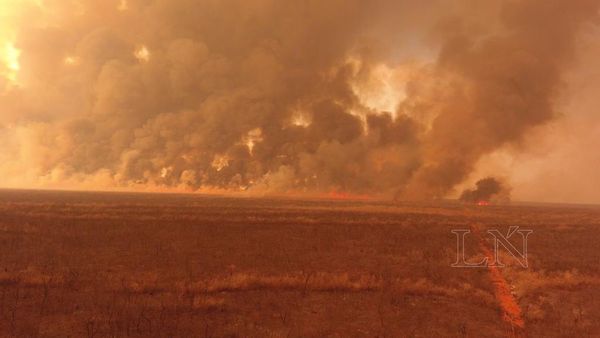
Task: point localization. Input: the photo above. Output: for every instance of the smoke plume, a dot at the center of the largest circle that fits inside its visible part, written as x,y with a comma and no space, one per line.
380,97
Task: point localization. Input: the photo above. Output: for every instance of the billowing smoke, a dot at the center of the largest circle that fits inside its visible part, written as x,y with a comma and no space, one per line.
487,190
281,96
493,86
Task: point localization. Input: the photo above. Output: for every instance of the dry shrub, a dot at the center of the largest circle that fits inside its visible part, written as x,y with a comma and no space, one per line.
320,282
534,312
526,281
304,282
144,283
31,277
208,303
423,287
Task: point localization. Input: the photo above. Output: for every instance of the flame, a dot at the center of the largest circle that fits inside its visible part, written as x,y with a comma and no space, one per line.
9,54
220,162
483,203
384,89
300,119
71,61
166,172
142,54
10,12
253,137
10,58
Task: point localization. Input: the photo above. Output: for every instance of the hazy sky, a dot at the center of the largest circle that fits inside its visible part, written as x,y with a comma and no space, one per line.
412,99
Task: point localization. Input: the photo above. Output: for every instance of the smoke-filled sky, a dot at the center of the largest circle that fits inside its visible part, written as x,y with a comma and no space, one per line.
397,98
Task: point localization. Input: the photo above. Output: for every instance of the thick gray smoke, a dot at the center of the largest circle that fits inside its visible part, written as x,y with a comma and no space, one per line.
265,95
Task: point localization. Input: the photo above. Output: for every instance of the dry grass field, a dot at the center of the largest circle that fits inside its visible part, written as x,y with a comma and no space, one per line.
157,265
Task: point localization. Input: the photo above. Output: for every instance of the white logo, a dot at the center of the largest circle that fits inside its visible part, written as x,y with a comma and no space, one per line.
499,240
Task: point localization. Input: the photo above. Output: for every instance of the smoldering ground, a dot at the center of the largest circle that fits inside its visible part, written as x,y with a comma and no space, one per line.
264,95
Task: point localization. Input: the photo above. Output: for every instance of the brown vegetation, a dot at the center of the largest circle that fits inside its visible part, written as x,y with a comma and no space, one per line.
122,265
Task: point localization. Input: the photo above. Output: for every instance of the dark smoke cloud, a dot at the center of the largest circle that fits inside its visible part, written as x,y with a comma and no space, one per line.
487,190
261,95
499,85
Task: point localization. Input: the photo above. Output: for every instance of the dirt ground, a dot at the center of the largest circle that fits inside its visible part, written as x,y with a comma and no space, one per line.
78,264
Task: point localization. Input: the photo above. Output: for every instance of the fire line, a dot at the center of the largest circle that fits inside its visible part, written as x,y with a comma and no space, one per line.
511,312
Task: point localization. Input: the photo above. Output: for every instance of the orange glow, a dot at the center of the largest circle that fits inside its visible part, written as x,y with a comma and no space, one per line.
511,312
